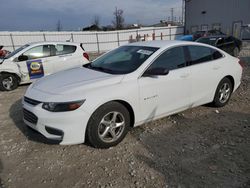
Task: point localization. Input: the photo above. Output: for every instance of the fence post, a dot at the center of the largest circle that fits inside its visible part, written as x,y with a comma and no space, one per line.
12,42
97,41
72,37
118,39
170,33
44,37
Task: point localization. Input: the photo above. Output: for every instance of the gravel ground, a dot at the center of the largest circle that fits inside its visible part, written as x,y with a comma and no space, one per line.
201,147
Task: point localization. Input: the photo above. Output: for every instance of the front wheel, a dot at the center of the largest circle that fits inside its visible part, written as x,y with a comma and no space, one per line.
8,82
223,93
108,125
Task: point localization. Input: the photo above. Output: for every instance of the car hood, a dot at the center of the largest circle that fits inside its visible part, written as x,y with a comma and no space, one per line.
74,81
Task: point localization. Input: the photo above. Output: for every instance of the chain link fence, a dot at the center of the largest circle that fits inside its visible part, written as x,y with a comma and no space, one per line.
92,41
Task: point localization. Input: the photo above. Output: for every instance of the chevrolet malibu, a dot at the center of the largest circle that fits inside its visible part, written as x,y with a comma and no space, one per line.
127,87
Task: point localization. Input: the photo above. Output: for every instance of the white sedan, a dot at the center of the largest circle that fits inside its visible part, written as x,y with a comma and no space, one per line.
35,60
127,87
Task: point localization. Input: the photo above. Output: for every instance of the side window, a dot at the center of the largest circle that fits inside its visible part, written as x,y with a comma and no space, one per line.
64,49
229,40
199,54
171,59
38,52
216,54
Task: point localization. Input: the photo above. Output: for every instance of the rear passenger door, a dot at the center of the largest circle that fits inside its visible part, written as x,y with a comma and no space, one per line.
204,63
66,57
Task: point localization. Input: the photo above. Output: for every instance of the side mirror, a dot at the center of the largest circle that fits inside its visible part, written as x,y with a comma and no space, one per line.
156,72
23,58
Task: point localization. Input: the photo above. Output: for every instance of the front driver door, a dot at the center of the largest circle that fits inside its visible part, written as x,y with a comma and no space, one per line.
39,62
163,95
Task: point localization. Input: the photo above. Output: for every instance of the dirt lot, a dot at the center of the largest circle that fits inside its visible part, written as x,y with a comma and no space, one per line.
202,147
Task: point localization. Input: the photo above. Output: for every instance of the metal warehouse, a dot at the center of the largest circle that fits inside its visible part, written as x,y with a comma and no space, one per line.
229,16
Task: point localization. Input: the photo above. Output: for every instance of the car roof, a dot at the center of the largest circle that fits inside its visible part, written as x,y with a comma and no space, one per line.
163,43
216,36
53,42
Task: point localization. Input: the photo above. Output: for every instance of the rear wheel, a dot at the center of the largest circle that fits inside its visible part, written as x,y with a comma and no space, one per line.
108,125
8,82
223,93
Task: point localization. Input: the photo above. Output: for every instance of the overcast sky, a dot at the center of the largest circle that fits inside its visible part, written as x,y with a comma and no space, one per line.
30,15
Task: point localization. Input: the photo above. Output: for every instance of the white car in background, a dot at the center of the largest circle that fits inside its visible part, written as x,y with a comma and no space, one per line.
127,87
35,60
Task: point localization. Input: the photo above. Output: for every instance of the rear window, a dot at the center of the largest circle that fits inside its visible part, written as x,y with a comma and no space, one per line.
200,54
62,49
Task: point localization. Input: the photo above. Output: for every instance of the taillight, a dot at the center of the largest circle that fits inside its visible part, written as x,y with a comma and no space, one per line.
86,55
241,63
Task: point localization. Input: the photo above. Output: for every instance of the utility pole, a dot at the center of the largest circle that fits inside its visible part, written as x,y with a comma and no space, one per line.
183,12
172,14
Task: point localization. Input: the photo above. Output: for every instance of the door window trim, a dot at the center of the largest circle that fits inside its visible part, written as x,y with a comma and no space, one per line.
50,50
185,55
189,55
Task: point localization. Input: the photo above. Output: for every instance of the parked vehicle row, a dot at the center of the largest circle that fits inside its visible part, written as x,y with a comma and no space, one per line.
229,44
126,87
35,60
218,39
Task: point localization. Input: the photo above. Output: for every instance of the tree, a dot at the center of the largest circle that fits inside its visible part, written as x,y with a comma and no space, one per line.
59,25
118,21
96,21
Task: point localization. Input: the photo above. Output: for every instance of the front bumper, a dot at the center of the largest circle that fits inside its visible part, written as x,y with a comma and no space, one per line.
67,127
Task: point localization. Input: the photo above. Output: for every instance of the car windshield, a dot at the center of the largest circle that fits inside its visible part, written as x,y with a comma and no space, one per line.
16,51
210,41
122,60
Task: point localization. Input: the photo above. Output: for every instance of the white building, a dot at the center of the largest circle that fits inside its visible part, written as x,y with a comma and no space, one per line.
229,16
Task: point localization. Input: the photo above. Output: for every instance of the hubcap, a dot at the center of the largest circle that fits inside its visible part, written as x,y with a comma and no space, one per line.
224,93
8,83
111,127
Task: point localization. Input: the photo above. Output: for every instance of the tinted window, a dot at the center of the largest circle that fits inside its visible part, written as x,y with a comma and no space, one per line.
38,52
171,59
216,54
229,40
122,60
207,40
16,51
64,49
199,54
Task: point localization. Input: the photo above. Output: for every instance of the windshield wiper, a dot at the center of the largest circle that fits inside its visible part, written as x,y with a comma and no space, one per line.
97,68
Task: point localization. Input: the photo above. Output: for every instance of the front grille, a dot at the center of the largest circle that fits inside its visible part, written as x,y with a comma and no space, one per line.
31,101
29,116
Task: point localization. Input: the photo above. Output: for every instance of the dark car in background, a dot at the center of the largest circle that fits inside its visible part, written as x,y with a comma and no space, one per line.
199,34
229,44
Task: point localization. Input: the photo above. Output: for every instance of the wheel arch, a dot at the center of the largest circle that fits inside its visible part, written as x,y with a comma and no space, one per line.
231,79
12,73
130,110
126,104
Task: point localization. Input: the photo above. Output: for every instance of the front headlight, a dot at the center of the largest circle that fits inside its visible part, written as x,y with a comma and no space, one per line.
62,106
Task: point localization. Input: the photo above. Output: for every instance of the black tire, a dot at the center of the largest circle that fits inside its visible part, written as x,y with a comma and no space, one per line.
12,79
220,98
95,128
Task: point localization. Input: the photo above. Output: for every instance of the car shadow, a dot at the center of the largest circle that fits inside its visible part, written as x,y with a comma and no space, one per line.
16,115
211,149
